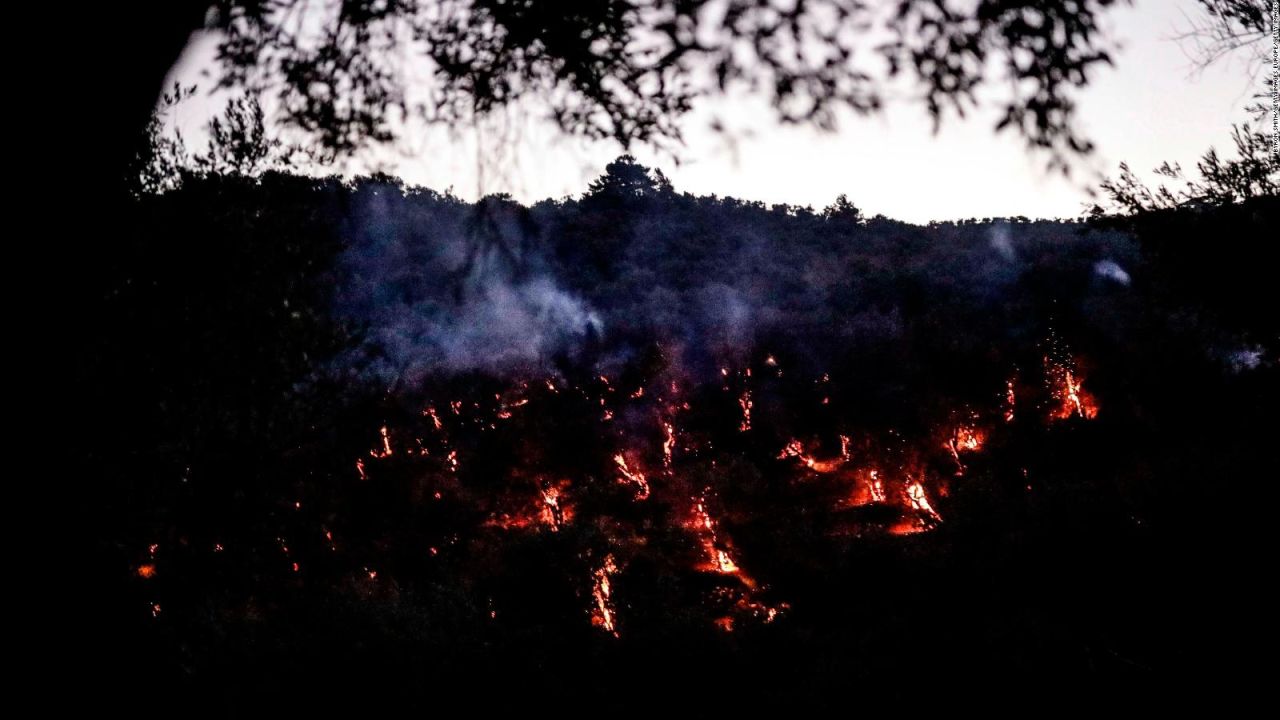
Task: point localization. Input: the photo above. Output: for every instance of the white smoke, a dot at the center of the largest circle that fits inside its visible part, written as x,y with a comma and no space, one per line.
1111,270
1246,358
497,327
429,295
1001,242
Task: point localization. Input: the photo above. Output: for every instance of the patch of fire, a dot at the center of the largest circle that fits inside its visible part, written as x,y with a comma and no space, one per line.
603,613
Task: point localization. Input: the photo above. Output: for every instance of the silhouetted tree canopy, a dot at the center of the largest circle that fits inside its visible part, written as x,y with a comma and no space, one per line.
630,69
1253,172
1234,28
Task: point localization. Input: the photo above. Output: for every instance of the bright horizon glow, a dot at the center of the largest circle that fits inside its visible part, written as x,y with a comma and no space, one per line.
1151,107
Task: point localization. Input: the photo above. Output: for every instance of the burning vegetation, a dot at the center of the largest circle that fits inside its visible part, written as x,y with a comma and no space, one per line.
656,463
682,438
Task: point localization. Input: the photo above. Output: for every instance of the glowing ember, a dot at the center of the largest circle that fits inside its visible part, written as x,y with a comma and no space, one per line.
635,478
795,449
868,489
877,487
719,559
385,450
1066,388
743,604
553,514
146,572
724,563
668,443
882,490
963,439
602,615
550,511
919,501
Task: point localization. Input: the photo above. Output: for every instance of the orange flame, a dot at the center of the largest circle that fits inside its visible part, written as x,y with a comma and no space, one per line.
795,449
719,559
385,450
602,615
635,478
553,514
668,443
1068,393
964,438
877,487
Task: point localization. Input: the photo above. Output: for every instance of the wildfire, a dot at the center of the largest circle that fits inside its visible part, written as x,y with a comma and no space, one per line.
668,443
553,513
635,478
746,605
602,615
919,501
795,449
1066,388
548,490
877,487
718,558
385,450
868,488
551,510
963,438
